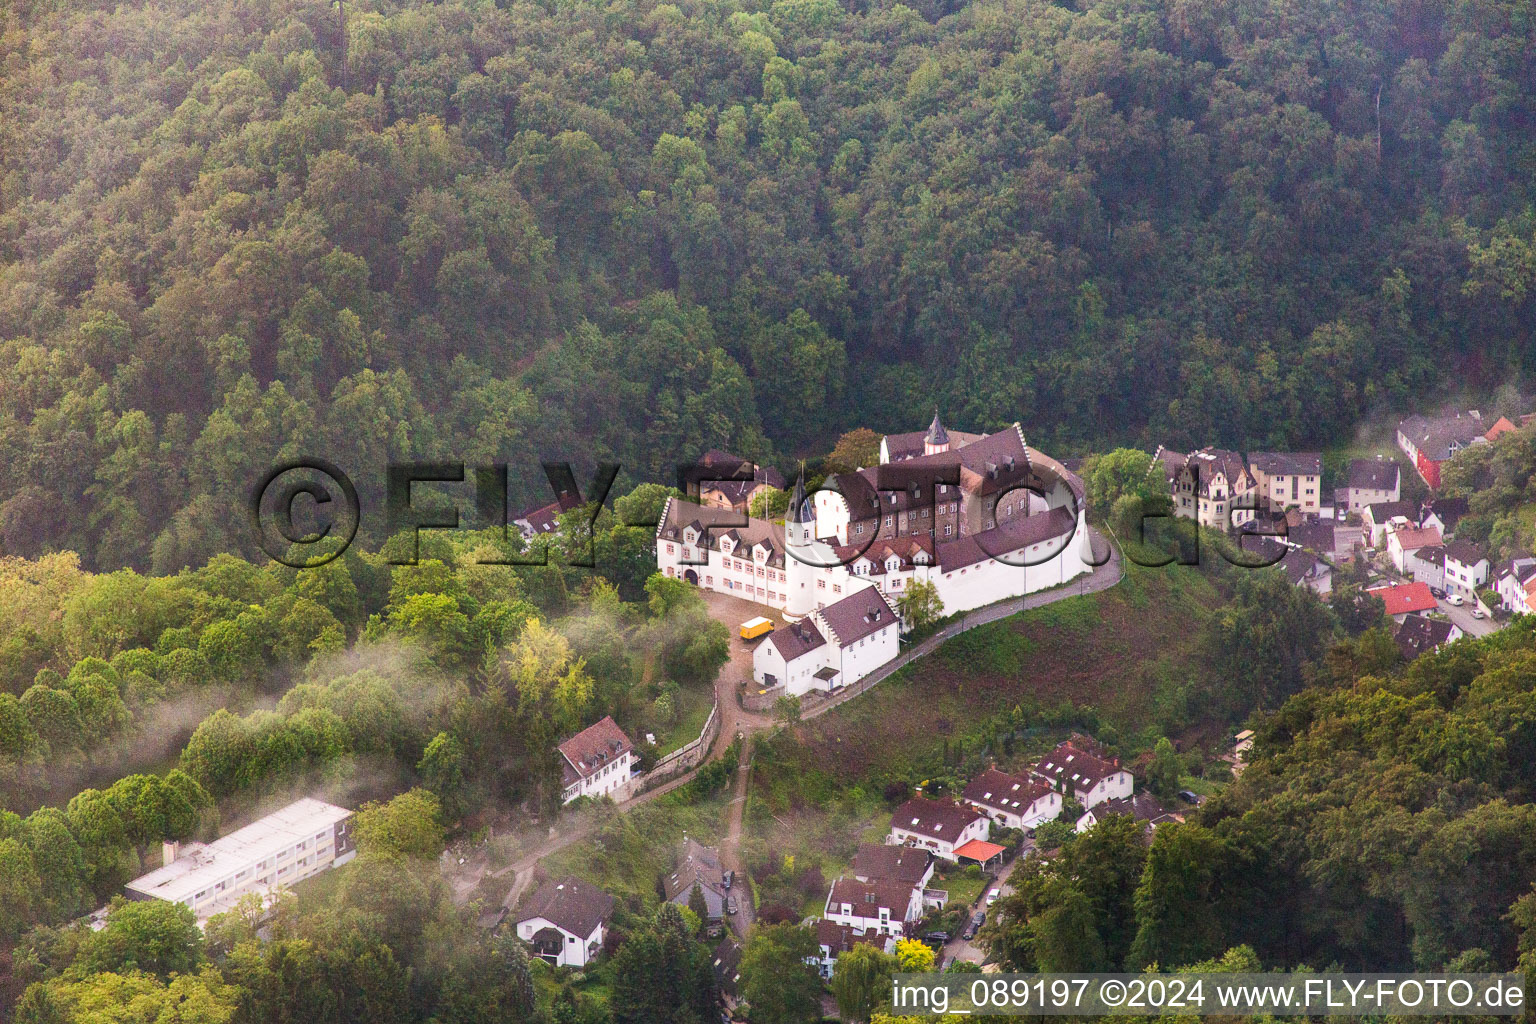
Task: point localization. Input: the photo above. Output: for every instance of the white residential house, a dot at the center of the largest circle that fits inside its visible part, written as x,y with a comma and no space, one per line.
1466,568
598,762
940,826
883,907
1403,541
1088,778
832,647
1013,801
1515,584
564,922
1370,482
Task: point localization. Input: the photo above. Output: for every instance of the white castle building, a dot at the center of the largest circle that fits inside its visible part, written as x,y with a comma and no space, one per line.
981,517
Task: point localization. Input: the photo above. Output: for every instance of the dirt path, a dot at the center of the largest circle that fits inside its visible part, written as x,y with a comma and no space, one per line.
737,720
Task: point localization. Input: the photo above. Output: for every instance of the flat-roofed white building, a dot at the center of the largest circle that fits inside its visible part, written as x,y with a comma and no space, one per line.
299,841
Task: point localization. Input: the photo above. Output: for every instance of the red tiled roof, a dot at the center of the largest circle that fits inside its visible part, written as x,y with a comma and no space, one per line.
594,747
1405,597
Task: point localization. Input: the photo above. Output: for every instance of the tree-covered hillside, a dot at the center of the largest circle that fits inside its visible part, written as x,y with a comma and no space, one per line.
233,229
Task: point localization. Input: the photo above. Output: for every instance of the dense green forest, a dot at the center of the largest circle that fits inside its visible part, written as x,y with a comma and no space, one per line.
233,230
1386,822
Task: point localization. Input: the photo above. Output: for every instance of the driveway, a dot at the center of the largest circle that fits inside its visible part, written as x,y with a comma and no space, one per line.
962,949
1463,617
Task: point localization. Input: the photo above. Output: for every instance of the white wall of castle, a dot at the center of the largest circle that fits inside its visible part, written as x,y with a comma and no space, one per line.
747,575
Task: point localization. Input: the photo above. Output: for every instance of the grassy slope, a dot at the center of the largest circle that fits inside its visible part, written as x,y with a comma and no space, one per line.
1126,655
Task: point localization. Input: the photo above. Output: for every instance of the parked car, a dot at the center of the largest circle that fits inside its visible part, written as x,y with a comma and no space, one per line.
1189,796
1477,613
729,879
1456,600
992,896
936,938
730,905
1436,592
973,925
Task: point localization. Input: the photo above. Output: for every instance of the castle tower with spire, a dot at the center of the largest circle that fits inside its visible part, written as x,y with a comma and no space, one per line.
799,536
937,438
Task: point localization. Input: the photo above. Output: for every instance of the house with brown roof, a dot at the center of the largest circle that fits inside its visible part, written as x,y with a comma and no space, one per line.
1419,634
564,921
598,762
884,863
1406,539
832,647
940,826
1443,514
1013,801
883,907
1088,778
834,938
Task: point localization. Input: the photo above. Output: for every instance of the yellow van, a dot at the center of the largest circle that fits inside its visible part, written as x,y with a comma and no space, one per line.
754,628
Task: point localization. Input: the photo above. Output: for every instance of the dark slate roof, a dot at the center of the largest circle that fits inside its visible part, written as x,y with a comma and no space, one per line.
1315,537
796,639
696,864
727,966
1418,635
1373,474
910,445
1382,511
937,819
1141,806
590,750
1449,511
1464,551
936,432
857,616
1210,461
575,906
1433,554
1010,793
1434,436
1287,463
892,863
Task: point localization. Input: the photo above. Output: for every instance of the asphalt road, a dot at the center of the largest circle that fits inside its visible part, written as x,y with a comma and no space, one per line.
1463,617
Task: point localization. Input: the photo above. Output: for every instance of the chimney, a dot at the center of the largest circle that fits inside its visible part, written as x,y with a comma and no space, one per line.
169,851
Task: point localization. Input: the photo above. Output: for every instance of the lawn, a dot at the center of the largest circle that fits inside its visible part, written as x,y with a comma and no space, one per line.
693,704
634,848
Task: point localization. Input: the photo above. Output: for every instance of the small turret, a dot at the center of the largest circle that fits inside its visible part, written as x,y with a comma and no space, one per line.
799,529
937,438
